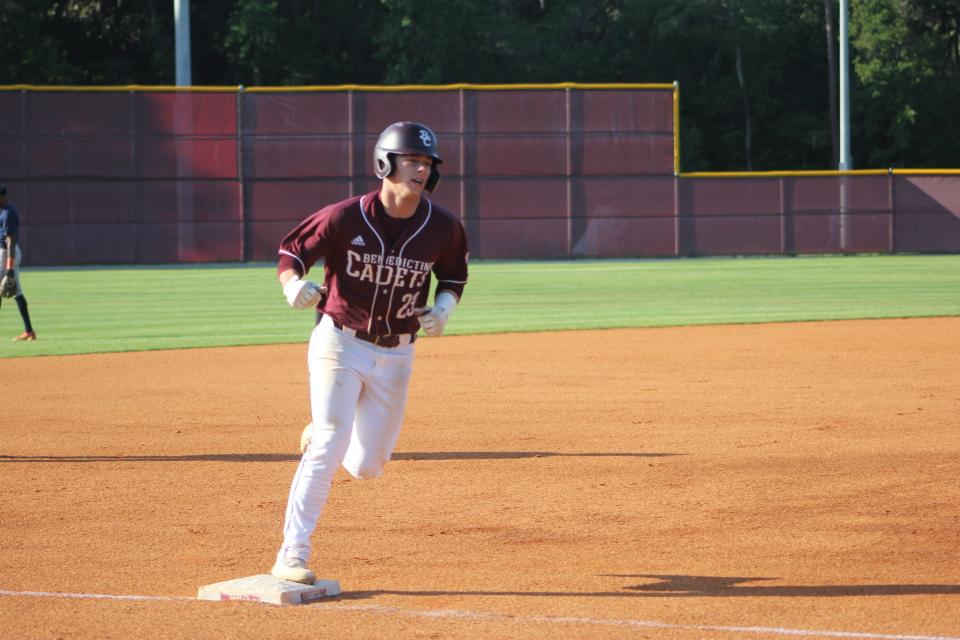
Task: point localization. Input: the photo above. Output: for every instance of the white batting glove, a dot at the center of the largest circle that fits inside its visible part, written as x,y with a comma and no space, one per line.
434,319
303,293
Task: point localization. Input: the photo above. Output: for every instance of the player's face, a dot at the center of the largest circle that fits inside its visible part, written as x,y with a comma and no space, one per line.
412,172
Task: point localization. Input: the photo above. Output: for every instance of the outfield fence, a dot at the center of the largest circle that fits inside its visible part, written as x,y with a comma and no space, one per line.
154,175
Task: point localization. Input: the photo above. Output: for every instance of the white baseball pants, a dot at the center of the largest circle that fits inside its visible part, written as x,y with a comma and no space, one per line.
358,394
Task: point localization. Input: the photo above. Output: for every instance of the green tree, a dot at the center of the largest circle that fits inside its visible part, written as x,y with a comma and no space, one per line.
444,41
752,73
83,41
29,52
254,34
907,61
300,42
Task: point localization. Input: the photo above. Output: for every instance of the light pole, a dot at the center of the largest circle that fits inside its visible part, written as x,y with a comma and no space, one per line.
845,161
181,18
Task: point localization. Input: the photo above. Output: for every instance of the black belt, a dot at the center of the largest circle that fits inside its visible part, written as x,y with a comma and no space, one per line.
380,341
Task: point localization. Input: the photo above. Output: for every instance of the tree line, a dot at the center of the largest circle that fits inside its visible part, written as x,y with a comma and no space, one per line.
757,78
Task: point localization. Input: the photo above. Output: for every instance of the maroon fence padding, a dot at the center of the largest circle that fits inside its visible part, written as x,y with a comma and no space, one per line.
626,238
523,198
625,216
730,216
56,114
185,114
186,202
11,114
617,155
281,158
124,176
279,204
510,238
628,197
441,110
928,213
520,155
813,225
131,222
167,176
516,154
794,214
295,113
187,158
637,111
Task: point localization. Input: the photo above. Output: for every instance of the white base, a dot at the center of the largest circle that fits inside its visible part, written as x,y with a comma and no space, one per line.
266,588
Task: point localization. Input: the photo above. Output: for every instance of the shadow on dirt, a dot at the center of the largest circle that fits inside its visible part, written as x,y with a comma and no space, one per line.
290,457
667,586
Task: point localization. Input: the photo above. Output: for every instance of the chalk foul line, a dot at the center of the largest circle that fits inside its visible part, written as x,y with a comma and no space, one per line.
91,596
477,615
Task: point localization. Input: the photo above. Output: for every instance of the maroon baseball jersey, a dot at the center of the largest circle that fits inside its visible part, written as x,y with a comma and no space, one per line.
373,285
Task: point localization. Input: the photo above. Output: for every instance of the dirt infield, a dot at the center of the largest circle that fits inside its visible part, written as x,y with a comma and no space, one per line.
761,481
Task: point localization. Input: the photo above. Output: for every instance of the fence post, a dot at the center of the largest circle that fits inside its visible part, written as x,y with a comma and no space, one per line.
134,140
462,123
351,143
569,172
245,231
891,203
783,217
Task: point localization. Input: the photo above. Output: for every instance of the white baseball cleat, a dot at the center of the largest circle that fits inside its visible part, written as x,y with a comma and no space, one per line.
305,436
294,570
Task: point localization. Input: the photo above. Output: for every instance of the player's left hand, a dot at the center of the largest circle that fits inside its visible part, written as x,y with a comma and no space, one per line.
434,319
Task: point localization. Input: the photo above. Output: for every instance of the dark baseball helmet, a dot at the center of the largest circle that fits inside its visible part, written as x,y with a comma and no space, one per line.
406,138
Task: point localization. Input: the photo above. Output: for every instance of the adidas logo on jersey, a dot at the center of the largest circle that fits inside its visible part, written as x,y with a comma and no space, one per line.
358,242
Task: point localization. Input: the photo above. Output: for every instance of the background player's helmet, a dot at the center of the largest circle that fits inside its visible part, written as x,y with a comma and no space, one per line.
406,138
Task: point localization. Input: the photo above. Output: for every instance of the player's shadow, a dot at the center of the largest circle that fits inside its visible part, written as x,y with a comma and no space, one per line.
289,457
667,586
511,455
730,586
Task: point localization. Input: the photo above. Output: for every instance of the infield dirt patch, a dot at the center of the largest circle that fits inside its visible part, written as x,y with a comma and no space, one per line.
701,482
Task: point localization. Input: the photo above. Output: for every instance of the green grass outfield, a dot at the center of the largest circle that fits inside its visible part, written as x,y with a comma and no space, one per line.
86,309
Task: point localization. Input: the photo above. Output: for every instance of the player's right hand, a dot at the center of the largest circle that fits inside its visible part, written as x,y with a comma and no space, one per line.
301,294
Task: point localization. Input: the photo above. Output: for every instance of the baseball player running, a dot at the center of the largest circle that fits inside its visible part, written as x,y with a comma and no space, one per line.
379,251
10,263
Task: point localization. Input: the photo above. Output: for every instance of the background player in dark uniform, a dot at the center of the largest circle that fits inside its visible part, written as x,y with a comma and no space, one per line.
379,253
10,259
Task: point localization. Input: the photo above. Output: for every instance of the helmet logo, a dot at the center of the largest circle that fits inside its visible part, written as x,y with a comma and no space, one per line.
426,138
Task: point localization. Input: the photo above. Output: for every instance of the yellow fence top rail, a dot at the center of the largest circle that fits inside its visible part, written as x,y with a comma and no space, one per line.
814,173
778,174
781,174
346,87
464,87
925,172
